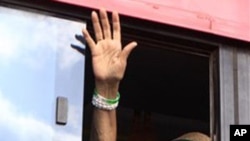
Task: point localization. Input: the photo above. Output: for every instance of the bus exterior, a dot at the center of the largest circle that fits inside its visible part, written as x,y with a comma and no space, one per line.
191,68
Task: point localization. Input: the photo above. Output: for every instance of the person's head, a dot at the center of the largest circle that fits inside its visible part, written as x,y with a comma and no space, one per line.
194,136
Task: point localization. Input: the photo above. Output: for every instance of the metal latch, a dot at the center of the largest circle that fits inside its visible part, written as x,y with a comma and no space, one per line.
61,110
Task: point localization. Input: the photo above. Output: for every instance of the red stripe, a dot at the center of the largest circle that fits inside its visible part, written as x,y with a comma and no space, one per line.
230,18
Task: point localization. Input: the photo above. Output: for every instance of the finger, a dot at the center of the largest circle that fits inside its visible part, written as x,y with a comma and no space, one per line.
105,24
127,50
116,26
88,39
97,26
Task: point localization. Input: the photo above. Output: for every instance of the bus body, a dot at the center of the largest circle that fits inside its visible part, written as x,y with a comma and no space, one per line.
191,67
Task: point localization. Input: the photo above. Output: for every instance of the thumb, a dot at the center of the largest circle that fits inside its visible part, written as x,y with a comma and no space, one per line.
127,50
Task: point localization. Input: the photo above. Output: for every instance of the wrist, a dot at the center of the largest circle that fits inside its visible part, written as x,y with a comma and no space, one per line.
107,89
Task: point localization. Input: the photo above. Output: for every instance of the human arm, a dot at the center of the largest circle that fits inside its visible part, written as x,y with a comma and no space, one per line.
109,62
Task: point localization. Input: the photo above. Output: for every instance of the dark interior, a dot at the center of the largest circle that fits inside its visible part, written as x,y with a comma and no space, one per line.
171,84
167,82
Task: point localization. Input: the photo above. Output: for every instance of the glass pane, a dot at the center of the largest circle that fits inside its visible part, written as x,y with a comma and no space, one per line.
37,64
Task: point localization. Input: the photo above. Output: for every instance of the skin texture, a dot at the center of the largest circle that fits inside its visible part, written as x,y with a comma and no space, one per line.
109,60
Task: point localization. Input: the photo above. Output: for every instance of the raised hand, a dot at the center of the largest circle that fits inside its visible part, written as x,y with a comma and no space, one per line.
108,57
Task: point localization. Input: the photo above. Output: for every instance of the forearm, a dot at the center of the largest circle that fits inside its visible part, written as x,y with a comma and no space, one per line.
104,126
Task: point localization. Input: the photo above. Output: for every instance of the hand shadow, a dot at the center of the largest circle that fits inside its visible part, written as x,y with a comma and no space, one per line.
77,47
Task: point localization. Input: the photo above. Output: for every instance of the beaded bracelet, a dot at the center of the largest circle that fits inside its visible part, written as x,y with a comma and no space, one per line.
109,101
105,103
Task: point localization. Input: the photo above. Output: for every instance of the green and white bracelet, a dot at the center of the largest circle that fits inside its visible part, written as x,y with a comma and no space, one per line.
105,103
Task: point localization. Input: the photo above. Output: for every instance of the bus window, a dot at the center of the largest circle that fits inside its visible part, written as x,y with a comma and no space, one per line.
37,66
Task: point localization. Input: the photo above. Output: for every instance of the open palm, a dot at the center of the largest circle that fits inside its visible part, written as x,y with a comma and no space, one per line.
108,57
